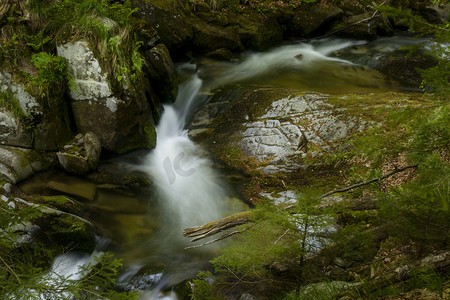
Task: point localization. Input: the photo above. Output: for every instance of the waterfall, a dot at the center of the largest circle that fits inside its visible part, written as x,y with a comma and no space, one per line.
187,185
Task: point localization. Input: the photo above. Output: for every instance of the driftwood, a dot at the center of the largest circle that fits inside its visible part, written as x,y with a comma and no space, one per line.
214,227
439,262
209,229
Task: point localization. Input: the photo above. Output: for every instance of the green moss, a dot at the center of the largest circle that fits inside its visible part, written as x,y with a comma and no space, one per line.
150,132
60,202
376,106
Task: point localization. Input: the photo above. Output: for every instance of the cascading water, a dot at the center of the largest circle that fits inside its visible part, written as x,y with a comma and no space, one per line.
186,183
190,192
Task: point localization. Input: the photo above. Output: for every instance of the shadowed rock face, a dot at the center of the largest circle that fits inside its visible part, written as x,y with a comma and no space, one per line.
162,73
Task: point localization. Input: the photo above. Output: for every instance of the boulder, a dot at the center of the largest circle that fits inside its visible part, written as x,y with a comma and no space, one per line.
65,229
442,10
120,172
391,59
364,26
17,164
162,73
170,21
122,122
81,155
16,104
209,37
13,132
258,32
24,122
313,21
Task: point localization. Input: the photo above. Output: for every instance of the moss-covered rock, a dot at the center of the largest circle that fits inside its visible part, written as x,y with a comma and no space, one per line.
121,121
66,230
82,155
17,164
314,20
209,37
170,21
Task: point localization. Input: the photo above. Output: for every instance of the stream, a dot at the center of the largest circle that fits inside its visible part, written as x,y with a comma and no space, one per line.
145,226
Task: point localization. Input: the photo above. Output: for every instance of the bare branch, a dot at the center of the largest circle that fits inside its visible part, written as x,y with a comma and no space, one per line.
395,171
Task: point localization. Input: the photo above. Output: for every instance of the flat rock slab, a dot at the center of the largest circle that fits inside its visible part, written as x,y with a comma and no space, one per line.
279,131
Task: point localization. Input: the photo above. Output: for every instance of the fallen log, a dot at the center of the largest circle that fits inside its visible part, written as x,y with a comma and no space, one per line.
209,229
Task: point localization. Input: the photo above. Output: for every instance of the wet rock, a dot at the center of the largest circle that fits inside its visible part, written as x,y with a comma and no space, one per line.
169,20
258,32
130,228
59,202
82,155
364,26
121,173
209,37
17,164
52,226
390,59
66,230
247,296
116,202
122,122
73,163
12,131
93,148
162,73
220,54
78,188
316,21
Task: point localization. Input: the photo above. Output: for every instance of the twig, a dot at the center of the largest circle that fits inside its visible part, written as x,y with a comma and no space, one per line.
395,171
281,236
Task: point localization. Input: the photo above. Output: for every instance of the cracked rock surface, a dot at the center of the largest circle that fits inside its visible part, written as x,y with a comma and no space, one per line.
287,129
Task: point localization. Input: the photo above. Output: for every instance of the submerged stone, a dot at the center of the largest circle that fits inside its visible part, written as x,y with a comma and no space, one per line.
75,187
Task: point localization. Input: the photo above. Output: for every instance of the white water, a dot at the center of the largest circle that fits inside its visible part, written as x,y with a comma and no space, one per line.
188,187
297,56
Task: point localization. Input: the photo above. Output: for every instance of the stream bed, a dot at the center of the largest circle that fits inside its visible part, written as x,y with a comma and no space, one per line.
144,225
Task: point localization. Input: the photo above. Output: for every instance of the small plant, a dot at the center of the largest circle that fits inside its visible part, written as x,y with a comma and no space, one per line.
52,78
202,287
